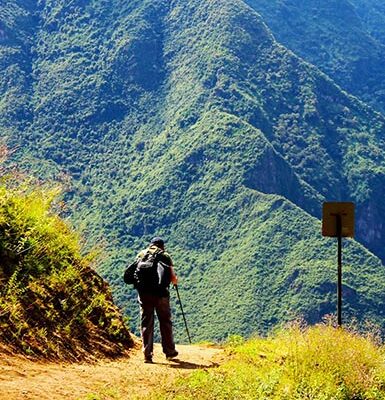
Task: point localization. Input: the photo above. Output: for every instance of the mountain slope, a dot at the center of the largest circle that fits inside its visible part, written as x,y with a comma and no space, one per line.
334,36
189,120
195,177
17,29
372,14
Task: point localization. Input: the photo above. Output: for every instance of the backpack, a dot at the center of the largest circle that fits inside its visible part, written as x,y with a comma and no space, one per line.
129,274
149,273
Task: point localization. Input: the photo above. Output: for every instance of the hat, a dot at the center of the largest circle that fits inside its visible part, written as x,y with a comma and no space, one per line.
157,241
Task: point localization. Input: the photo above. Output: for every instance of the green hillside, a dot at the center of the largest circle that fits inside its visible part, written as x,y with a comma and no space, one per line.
52,303
344,38
188,119
372,14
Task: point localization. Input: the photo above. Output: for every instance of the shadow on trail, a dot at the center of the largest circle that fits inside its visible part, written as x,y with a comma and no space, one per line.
188,365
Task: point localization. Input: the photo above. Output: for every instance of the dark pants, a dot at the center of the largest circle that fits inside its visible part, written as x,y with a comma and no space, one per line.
150,304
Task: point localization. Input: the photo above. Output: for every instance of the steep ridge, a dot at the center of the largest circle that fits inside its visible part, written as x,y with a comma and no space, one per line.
334,36
189,120
93,71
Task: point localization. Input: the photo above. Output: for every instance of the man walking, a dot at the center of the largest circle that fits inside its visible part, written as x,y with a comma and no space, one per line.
154,273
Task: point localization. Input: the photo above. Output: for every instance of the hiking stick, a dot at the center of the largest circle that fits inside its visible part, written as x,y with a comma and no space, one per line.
181,307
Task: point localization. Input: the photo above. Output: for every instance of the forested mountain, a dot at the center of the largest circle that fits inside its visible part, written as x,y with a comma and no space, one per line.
343,38
372,15
192,120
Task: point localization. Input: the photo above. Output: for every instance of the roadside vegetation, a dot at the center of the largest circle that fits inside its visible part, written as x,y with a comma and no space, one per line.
52,303
319,362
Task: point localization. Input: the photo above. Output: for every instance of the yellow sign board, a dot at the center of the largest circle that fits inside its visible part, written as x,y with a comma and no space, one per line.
334,211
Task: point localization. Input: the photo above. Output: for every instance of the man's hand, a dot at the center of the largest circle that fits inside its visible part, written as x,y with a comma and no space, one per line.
174,278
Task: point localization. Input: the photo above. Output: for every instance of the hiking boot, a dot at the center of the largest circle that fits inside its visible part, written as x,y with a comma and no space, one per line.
172,355
148,360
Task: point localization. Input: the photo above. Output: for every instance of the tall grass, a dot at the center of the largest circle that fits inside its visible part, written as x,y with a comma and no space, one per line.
52,303
320,362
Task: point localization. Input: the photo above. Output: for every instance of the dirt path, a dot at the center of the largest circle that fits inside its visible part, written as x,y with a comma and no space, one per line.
127,378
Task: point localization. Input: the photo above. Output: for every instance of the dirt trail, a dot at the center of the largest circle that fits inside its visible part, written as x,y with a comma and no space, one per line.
126,378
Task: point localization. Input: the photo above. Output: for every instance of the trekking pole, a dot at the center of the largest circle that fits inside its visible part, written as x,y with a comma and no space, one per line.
181,307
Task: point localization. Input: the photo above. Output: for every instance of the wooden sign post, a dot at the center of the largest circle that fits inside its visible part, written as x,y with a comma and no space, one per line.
338,221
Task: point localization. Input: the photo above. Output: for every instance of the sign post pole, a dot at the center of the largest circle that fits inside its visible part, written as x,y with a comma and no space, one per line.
339,289
338,221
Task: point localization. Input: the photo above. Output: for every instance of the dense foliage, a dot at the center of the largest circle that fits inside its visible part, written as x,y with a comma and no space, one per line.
52,303
344,38
188,119
317,363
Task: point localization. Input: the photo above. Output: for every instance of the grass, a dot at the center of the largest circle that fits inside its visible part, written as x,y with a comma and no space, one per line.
52,303
320,362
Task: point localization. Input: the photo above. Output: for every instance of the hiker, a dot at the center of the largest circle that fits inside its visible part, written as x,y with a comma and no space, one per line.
152,274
